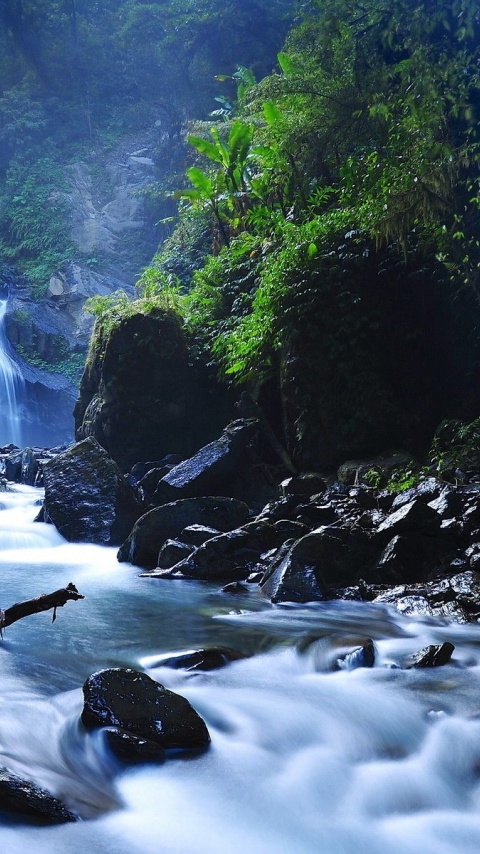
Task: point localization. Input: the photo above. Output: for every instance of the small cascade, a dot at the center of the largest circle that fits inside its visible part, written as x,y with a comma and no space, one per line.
11,387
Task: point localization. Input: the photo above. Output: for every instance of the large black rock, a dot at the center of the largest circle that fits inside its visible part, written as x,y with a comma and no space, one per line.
86,496
142,397
326,558
130,700
30,801
231,556
163,523
211,469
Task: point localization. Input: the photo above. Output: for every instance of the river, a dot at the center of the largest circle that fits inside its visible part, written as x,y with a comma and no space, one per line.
303,760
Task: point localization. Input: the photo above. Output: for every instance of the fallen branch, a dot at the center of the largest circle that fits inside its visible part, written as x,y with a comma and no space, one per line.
46,602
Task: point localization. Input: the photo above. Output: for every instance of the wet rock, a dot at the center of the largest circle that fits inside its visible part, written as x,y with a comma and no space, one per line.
87,497
325,558
286,508
364,496
307,484
130,700
13,466
132,749
25,799
466,587
153,528
449,504
316,515
404,559
29,466
210,470
234,587
172,552
427,490
201,659
197,535
434,655
231,556
415,516
361,656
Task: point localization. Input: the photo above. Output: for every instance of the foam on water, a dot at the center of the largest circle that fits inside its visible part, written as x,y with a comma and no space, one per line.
303,760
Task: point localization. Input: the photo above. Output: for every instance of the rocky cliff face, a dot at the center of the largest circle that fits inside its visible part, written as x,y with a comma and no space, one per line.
113,231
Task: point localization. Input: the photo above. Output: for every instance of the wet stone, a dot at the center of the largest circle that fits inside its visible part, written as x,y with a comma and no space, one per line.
435,655
130,700
25,799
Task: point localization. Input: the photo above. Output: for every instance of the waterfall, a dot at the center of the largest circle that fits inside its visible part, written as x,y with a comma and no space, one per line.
11,387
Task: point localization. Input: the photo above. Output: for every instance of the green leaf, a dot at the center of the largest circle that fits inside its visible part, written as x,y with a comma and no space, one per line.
286,63
201,181
312,250
209,149
271,112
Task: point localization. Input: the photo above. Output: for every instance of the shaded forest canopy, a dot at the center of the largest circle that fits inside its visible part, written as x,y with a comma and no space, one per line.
328,229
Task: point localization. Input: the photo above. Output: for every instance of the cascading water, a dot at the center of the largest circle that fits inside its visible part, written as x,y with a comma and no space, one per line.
303,760
11,387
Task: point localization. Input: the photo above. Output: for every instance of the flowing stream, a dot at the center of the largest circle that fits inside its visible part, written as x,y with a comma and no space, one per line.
303,760
11,386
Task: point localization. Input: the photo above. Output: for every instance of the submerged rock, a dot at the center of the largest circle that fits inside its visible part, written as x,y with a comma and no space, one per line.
86,496
130,700
30,801
201,659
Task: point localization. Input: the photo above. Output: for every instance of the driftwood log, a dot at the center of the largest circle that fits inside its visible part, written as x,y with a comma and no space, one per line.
46,602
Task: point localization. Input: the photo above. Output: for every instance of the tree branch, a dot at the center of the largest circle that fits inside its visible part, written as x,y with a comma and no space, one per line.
54,600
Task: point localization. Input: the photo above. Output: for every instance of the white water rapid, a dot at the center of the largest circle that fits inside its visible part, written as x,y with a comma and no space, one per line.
303,761
11,385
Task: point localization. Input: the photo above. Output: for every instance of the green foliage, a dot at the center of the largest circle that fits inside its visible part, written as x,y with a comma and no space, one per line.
70,366
33,221
155,290
455,450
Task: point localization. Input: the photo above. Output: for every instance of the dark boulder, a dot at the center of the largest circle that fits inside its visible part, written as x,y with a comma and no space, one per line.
427,490
140,395
326,558
87,497
130,700
449,504
197,535
434,655
172,552
307,484
162,523
29,801
132,749
211,469
407,558
231,556
415,516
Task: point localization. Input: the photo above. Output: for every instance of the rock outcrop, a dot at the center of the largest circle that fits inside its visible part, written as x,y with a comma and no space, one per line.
140,396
